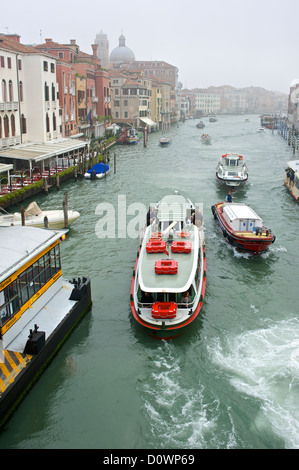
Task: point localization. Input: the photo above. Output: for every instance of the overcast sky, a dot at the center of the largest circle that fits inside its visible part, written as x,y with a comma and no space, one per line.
220,42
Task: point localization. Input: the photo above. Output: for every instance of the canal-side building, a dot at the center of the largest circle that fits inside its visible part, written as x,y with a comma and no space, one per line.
29,104
67,87
89,84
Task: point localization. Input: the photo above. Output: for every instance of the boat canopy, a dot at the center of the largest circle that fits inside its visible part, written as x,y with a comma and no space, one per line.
172,208
99,168
240,211
294,165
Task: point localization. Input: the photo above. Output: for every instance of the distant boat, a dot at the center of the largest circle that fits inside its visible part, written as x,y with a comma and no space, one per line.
97,171
261,130
232,170
212,118
200,125
164,141
206,138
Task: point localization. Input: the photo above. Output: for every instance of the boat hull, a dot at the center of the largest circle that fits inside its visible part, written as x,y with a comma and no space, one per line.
25,379
232,183
292,189
164,331
249,241
55,220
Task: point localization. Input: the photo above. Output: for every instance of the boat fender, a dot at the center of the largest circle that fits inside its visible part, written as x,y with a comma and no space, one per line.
183,234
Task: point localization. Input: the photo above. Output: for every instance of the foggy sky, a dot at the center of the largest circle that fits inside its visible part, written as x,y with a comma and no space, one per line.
232,42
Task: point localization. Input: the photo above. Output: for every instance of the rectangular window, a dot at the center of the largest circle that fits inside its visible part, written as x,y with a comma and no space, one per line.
45,66
61,55
28,283
19,64
52,67
2,61
9,62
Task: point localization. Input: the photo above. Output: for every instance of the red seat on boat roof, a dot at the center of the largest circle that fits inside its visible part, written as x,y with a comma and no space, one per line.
181,247
156,246
163,310
166,266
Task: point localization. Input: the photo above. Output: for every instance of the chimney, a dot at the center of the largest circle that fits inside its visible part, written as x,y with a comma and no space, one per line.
48,39
73,42
14,37
94,49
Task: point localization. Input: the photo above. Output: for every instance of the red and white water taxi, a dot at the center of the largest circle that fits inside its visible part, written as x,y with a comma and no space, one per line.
169,277
242,227
232,170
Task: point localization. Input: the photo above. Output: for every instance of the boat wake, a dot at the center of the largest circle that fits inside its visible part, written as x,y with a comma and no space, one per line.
180,416
264,364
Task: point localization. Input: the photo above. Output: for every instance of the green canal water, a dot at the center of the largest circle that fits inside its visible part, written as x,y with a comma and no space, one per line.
232,380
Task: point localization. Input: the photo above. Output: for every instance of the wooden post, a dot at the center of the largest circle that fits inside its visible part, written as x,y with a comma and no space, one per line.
46,222
105,162
23,215
45,185
57,180
114,163
65,213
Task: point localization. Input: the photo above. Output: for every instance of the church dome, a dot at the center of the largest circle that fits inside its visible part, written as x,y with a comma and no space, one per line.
122,53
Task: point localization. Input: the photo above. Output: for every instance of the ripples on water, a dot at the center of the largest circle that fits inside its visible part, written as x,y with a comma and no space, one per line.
232,380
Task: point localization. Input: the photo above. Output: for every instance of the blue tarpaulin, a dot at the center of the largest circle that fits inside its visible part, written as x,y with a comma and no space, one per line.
99,168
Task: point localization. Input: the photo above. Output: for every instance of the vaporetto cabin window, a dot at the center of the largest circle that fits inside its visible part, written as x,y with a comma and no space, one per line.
15,296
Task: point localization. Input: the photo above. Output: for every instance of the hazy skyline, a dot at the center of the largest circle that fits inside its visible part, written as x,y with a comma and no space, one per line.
235,43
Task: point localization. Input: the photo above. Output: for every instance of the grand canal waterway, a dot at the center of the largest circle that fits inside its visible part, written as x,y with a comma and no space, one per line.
232,380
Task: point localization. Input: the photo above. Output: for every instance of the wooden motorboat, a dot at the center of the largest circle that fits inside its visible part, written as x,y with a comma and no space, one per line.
242,227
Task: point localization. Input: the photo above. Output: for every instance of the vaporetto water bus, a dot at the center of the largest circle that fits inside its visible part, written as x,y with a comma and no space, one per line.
38,308
169,277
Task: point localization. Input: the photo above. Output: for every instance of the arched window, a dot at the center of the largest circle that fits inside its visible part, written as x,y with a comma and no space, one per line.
4,91
47,123
54,122
23,124
13,126
10,90
46,92
21,91
6,126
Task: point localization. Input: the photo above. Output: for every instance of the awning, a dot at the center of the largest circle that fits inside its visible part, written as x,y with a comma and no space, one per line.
38,152
148,122
4,167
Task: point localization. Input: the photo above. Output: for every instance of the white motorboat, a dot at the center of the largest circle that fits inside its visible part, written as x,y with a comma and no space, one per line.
206,138
97,171
169,277
164,141
232,170
35,217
